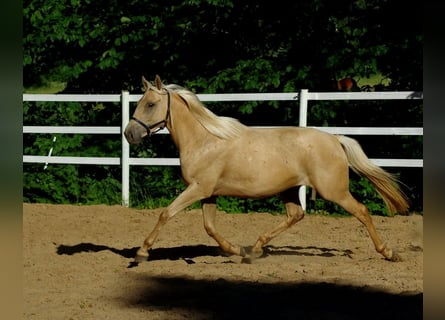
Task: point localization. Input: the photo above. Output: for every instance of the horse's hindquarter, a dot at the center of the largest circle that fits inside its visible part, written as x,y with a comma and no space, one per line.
264,162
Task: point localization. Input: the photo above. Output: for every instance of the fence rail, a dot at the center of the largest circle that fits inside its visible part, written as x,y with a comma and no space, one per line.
125,99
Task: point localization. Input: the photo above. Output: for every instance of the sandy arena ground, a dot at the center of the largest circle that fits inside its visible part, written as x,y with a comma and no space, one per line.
77,265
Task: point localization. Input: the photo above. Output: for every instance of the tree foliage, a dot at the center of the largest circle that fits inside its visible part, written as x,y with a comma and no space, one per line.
220,45
211,46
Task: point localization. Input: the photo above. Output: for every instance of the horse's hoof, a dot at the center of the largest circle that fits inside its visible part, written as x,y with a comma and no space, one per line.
257,253
141,257
395,257
251,257
247,260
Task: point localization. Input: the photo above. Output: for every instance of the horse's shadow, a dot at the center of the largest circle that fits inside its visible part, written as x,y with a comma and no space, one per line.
91,247
189,252
305,251
173,253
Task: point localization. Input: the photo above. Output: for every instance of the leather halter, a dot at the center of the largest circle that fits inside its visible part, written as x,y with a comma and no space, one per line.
164,122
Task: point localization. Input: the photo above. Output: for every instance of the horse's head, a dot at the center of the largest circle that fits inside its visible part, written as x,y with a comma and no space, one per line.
151,114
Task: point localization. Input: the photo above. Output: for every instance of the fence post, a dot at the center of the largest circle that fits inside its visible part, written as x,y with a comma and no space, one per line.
125,160
303,123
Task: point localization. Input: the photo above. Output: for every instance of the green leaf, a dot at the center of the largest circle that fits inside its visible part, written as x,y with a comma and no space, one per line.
125,20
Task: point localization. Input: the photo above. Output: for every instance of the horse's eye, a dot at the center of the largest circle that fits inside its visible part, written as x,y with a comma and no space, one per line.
150,105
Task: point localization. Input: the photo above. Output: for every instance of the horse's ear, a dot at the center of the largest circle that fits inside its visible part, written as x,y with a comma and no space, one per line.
158,82
145,83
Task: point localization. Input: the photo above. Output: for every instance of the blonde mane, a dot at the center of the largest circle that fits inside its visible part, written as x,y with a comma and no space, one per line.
222,127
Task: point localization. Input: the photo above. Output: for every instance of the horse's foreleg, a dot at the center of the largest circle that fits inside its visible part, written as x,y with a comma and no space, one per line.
190,195
142,253
209,213
294,213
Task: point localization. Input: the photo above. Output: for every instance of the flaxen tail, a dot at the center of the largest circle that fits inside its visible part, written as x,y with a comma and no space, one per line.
385,183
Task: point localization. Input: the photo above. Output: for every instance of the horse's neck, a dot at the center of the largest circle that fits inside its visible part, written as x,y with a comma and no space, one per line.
184,129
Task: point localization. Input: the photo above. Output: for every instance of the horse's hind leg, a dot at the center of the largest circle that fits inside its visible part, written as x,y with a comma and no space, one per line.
360,211
209,213
294,213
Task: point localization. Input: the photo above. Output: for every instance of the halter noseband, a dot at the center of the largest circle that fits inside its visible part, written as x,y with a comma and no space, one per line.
164,122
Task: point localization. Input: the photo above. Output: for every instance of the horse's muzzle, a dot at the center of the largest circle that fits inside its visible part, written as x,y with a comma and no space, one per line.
134,133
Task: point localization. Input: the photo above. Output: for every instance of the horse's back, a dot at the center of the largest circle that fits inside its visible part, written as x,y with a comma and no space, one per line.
301,138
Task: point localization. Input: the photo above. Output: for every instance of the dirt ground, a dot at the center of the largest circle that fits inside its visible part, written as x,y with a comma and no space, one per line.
77,265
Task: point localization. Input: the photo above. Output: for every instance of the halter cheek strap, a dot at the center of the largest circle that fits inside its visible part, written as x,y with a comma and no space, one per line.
154,125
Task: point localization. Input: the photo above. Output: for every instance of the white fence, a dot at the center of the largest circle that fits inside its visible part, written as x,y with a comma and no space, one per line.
125,98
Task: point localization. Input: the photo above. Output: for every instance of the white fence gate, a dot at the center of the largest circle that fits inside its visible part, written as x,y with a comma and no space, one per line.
125,98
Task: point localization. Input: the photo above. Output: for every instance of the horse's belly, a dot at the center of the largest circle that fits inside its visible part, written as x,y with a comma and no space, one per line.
255,179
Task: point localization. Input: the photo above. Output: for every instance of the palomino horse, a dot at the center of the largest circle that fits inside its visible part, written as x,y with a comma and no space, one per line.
221,157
